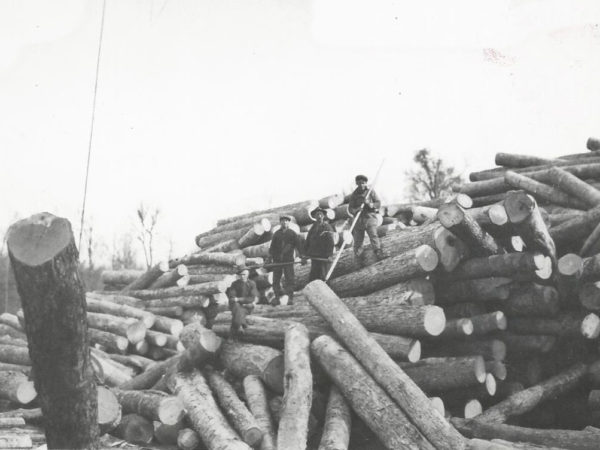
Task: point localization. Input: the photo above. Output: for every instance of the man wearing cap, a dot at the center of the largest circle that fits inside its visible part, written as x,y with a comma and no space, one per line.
367,220
319,245
281,251
242,295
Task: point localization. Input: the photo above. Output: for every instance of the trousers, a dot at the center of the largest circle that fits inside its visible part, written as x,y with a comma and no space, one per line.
318,270
358,234
290,280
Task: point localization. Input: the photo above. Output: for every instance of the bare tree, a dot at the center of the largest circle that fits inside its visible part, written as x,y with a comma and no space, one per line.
432,178
123,253
148,218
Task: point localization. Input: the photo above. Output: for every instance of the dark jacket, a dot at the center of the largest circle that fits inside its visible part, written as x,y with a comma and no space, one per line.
319,241
359,197
246,290
283,244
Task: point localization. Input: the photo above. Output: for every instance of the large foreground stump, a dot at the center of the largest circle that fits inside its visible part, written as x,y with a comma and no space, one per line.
45,260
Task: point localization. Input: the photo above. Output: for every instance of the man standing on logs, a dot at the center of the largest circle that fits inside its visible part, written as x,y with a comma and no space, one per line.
242,295
283,244
319,246
367,220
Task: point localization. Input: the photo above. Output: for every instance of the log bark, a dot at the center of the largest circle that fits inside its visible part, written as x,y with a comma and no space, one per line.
520,344
543,192
416,292
488,323
590,245
15,441
489,349
16,387
216,258
133,329
525,217
139,363
256,397
370,402
434,375
456,328
475,290
456,220
577,229
191,301
15,367
6,330
338,421
173,312
151,405
297,399
518,160
260,250
168,325
147,278
285,209
387,272
271,332
381,317
254,235
564,325
45,260
213,287
203,412
108,371
467,309
151,375
169,278
115,298
209,277
505,265
14,354
106,307
498,185
135,429
584,440
593,144
490,215
240,418
387,373
574,186
526,400
247,359
532,300
12,321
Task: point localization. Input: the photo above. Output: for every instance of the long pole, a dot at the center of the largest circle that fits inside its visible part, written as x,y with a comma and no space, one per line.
341,250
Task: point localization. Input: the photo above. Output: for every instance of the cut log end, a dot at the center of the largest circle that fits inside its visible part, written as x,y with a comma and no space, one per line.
498,350
273,374
438,405
434,320
171,411
252,436
517,243
26,392
518,206
545,272
490,384
39,238
501,321
497,215
427,258
109,409
472,409
480,370
590,326
569,264
414,354
136,332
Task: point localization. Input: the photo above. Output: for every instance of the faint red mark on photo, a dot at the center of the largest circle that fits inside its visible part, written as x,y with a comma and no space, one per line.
497,57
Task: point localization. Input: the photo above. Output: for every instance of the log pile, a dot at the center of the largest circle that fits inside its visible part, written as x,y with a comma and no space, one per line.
479,329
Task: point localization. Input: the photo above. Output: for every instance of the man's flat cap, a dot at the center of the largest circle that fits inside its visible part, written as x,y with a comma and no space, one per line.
361,178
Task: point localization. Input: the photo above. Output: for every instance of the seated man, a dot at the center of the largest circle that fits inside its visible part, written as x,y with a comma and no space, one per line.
242,295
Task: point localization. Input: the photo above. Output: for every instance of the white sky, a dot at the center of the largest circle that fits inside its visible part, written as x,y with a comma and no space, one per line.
212,108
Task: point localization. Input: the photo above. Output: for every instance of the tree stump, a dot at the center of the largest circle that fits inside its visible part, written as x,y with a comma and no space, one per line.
45,261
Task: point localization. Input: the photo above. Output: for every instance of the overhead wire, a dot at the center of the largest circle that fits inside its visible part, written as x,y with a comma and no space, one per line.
87,169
